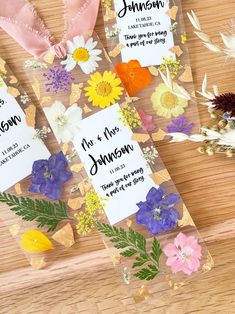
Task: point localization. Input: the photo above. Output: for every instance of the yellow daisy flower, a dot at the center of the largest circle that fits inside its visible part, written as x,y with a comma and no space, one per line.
104,90
166,104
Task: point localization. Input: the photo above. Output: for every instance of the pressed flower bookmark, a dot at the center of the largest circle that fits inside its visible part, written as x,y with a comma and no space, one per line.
146,41
152,239
120,185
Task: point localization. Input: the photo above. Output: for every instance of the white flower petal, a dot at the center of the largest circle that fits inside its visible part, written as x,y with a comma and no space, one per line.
90,44
79,41
70,46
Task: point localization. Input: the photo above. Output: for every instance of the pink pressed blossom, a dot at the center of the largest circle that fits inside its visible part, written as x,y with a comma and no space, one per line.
147,121
184,255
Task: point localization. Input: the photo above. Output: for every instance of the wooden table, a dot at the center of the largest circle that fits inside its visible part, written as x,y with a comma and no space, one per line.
207,186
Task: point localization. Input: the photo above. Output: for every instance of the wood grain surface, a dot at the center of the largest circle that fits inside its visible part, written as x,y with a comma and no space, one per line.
207,186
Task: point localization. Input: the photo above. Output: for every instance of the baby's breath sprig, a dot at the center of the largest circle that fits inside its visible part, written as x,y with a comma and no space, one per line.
42,133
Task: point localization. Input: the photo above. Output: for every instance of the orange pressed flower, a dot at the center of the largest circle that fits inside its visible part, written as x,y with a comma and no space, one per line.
133,76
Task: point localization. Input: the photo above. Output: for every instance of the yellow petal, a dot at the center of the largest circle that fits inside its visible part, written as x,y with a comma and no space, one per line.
65,236
33,241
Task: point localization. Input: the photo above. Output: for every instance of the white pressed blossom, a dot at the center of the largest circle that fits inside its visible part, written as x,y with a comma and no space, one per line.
83,54
64,121
175,88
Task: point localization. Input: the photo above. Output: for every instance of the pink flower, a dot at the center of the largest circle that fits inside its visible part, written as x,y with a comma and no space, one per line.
147,121
184,255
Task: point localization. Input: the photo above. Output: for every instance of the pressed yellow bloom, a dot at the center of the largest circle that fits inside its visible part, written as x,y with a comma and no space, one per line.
33,241
104,90
166,104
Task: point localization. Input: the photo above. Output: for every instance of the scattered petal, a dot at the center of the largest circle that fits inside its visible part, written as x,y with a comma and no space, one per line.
86,109
142,295
36,88
186,77
49,57
77,167
13,91
18,189
76,91
65,236
14,229
75,203
159,135
186,219
37,262
13,79
109,15
177,50
116,259
141,138
172,13
160,177
116,51
30,113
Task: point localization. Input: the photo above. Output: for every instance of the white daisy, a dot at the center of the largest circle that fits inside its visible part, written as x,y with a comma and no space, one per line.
64,121
82,53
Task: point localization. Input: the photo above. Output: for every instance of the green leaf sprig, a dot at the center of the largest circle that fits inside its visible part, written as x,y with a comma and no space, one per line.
44,212
134,243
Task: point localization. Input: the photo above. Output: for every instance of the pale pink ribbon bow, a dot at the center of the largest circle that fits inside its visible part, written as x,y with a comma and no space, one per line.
19,19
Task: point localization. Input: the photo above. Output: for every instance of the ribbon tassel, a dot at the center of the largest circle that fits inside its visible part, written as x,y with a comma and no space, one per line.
19,19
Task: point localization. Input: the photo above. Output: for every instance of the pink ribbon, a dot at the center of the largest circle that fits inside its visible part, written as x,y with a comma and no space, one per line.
19,19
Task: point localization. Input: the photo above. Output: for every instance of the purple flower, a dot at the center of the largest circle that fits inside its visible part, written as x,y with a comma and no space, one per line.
158,212
181,124
48,176
58,79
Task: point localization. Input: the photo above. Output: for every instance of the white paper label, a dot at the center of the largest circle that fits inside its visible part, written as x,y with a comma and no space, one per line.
144,30
18,149
114,163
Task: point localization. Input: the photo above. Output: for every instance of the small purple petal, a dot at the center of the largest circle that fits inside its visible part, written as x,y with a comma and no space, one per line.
181,124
